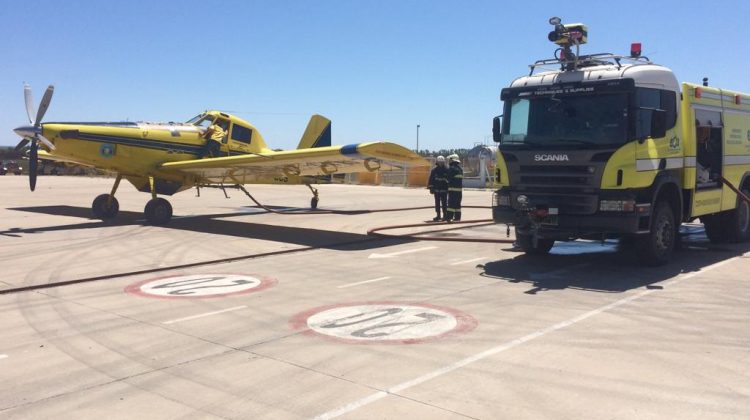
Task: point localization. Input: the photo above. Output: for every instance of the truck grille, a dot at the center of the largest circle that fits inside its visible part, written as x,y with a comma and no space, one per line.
553,175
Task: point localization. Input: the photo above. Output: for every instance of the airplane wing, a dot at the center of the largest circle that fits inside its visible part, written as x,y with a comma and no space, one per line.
288,166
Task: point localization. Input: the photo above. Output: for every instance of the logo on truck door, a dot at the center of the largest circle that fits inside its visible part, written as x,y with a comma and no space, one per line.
551,158
674,143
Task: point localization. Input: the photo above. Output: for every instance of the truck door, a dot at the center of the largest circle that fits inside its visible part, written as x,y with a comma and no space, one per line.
655,152
709,162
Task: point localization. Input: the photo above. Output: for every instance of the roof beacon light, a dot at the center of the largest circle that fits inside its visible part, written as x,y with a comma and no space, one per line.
635,49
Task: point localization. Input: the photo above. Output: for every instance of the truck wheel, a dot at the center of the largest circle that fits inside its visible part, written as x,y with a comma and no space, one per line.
737,221
526,242
656,248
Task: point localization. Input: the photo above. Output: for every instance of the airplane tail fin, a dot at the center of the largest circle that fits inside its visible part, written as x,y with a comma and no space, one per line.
317,133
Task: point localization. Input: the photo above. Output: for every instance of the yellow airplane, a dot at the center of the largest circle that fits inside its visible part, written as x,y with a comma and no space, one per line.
166,158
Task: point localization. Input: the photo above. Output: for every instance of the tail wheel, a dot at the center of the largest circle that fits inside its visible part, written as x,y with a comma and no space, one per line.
158,211
656,248
526,242
314,203
105,208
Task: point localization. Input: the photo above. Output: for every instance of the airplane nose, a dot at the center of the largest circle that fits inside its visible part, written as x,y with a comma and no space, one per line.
27,131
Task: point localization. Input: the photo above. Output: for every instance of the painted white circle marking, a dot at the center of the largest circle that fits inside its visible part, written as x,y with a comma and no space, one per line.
382,322
198,286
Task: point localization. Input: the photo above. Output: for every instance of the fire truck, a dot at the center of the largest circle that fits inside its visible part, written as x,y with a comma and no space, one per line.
603,145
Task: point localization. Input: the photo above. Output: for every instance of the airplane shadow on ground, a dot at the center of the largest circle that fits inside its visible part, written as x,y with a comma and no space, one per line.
608,268
211,223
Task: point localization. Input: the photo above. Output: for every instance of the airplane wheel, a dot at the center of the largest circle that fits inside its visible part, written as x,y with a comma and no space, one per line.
314,203
103,209
158,211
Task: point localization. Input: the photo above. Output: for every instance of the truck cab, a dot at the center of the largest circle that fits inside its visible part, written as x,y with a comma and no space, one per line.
598,148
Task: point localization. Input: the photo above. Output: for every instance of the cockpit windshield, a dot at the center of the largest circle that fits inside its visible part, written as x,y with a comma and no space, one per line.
202,120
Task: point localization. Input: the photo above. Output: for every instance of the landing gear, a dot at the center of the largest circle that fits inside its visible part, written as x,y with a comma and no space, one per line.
105,206
158,211
315,198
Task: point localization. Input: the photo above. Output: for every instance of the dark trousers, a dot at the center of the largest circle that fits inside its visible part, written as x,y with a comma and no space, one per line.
441,201
454,205
212,148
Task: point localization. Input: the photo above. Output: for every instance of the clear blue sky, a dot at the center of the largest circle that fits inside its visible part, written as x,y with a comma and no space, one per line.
376,68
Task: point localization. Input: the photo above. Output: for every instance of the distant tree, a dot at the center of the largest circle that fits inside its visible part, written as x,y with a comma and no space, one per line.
9,153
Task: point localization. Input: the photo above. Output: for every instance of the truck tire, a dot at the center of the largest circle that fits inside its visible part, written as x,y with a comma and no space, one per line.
656,248
737,221
526,242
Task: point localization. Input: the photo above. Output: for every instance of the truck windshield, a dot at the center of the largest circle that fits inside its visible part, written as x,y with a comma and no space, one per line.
567,120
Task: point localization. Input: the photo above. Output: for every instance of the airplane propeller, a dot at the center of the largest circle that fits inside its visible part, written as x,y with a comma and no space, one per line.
33,133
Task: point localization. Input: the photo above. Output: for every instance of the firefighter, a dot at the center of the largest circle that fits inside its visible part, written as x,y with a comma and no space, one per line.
455,187
438,185
214,136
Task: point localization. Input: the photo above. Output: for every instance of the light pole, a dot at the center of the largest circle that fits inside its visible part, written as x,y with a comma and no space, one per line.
417,138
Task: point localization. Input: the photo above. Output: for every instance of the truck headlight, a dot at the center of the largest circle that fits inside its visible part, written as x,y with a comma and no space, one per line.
617,205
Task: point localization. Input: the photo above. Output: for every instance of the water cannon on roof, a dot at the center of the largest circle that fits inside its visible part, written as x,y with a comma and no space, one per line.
566,36
570,35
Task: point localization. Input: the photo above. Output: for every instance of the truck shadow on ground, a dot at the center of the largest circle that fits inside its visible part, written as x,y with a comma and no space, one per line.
607,268
214,224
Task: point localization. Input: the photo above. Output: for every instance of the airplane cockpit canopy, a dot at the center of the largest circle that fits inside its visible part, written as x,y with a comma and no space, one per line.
202,120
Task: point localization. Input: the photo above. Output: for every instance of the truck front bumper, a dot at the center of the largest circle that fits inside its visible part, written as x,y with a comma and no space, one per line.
551,223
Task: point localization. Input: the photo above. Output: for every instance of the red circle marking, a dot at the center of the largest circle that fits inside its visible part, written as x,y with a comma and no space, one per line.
464,323
265,283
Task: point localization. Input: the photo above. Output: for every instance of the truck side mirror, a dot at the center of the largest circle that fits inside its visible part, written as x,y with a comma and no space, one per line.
497,128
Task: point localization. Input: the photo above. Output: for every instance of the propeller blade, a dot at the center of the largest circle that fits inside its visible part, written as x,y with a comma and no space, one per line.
29,102
46,141
21,144
44,105
33,162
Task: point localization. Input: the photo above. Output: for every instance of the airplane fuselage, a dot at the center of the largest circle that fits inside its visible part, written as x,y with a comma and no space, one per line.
136,150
